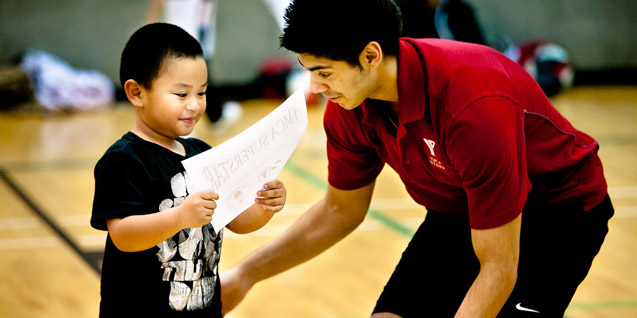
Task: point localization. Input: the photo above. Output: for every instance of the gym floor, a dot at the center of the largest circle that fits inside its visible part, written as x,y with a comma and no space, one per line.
50,256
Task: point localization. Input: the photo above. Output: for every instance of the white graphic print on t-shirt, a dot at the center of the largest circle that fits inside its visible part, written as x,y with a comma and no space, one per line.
189,258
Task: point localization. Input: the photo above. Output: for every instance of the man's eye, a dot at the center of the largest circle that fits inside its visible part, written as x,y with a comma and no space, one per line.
182,95
324,75
202,93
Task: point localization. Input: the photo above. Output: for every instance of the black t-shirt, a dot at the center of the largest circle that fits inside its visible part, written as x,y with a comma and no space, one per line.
178,277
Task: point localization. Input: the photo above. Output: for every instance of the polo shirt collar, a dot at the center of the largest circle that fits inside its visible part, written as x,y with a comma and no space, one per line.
412,94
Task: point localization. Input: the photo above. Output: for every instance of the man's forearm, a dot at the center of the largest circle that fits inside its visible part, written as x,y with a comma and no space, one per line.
314,232
498,250
489,292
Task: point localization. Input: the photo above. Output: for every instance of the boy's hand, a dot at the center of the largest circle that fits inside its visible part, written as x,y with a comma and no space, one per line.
272,196
197,209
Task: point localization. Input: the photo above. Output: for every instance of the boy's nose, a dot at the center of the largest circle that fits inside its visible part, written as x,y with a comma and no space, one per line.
193,105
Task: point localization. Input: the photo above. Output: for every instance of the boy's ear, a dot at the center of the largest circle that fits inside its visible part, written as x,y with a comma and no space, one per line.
372,54
134,92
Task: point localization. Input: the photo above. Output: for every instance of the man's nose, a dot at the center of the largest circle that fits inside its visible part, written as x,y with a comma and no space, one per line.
316,86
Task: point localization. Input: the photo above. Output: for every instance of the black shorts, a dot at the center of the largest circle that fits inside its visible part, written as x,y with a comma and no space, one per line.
557,247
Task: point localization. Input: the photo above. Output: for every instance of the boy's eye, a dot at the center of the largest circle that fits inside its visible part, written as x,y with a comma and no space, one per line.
182,95
202,93
324,75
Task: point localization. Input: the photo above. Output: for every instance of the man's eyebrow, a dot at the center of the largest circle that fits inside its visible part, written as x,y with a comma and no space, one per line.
312,69
316,68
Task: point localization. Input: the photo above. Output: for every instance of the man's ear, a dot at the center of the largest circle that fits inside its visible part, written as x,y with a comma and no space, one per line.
134,92
372,54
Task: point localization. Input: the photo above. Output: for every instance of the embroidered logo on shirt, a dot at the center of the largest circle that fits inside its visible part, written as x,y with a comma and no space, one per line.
430,144
436,163
432,159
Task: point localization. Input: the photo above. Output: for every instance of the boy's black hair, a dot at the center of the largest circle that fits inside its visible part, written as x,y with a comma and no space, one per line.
150,46
340,29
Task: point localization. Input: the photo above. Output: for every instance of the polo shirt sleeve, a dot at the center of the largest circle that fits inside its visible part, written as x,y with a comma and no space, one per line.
486,145
352,160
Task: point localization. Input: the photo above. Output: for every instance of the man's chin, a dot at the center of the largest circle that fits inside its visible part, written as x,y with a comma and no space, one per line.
347,106
344,103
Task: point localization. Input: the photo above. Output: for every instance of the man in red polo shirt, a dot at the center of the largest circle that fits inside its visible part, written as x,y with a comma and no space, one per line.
516,197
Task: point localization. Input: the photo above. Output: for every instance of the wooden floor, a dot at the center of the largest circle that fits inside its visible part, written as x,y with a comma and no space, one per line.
49,255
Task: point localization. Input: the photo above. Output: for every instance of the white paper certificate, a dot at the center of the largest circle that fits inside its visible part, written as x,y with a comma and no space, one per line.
238,168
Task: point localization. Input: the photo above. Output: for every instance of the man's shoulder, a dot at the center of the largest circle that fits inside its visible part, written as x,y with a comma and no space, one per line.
449,55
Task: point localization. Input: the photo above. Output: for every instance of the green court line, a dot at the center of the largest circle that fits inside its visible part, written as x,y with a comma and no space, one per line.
605,305
573,307
322,184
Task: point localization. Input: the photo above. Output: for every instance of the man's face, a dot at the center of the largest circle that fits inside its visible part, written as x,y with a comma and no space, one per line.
338,81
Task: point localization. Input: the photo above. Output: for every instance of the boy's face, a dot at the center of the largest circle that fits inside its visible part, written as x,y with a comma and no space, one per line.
338,81
177,97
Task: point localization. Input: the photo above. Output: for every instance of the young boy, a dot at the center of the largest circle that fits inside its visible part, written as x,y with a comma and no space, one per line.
161,252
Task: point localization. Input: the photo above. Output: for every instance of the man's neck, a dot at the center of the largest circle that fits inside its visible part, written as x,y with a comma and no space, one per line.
387,83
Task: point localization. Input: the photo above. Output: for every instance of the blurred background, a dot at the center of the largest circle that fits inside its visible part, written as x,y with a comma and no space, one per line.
61,106
90,34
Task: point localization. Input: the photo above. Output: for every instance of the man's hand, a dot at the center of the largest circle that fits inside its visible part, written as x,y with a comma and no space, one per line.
233,289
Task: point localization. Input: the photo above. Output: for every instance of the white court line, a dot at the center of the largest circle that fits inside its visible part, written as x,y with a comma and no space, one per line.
622,192
87,240
32,222
97,240
371,224
390,204
20,223
28,243
625,211
24,223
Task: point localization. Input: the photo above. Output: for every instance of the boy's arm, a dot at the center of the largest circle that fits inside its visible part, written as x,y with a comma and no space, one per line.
270,200
140,232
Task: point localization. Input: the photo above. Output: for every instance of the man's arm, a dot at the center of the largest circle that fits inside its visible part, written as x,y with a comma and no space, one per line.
322,226
498,251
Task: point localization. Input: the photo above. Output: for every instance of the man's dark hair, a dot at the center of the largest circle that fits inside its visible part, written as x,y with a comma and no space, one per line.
340,29
150,46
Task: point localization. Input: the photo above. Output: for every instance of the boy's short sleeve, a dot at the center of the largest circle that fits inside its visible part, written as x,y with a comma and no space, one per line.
119,180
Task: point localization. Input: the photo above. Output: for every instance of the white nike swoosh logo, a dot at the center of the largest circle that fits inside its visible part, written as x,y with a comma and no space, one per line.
520,308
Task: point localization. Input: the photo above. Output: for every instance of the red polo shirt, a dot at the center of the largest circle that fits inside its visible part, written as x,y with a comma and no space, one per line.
475,135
